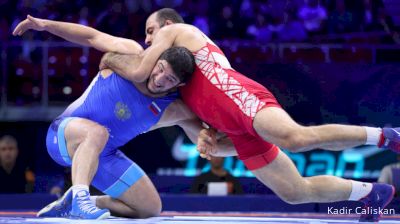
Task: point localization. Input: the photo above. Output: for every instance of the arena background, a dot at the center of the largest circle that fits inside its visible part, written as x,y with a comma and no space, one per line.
345,72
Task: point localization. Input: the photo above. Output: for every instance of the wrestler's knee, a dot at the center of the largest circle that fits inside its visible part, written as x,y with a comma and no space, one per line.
294,142
151,208
98,134
291,139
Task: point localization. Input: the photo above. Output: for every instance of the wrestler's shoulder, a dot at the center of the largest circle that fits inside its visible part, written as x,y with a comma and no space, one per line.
180,27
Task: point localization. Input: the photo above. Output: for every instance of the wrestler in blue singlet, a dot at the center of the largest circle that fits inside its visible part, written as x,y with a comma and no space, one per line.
118,105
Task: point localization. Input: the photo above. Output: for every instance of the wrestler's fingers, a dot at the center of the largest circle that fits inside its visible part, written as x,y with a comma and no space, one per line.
202,148
204,135
19,30
205,156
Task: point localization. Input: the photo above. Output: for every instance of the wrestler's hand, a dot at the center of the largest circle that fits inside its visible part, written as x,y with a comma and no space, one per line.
206,143
29,23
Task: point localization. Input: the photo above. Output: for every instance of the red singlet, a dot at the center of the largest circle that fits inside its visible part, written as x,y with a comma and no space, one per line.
229,101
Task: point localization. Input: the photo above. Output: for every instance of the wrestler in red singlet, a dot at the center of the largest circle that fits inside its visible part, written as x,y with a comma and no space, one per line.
229,101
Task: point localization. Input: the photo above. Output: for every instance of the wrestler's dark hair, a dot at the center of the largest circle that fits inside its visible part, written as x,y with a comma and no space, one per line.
181,61
165,14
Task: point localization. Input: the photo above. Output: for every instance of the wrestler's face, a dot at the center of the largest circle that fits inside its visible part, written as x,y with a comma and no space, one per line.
162,79
152,27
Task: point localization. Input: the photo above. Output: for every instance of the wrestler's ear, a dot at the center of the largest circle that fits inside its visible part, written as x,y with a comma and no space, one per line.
168,22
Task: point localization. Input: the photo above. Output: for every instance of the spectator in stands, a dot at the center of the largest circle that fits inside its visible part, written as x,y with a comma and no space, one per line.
341,20
313,16
15,178
367,15
385,23
226,25
292,30
200,19
114,20
216,174
259,30
390,174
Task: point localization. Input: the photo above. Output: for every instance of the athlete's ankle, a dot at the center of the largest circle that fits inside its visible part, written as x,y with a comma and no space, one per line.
374,136
93,199
79,187
359,190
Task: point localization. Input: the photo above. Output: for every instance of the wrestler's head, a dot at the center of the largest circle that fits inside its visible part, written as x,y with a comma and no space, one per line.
174,67
158,19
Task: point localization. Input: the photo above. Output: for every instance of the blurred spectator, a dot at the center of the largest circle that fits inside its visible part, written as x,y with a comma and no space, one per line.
341,20
259,30
293,30
367,15
384,22
135,6
390,174
169,3
201,20
217,174
14,176
277,24
246,9
83,16
227,24
313,16
113,20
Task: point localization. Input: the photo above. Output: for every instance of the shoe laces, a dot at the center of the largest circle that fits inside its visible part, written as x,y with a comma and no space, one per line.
86,205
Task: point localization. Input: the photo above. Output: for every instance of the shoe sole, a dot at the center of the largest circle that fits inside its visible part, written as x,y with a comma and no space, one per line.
53,204
384,206
391,198
104,216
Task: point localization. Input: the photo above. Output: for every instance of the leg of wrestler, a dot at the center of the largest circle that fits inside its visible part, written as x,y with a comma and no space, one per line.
274,125
141,200
77,142
129,191
85,141
282,177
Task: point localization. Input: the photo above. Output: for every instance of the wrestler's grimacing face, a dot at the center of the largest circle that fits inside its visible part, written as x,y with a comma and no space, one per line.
162,78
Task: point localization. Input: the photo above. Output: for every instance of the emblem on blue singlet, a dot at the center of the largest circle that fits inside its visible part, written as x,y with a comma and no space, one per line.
122,111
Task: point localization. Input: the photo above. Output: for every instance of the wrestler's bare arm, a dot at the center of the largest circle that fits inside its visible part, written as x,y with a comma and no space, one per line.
177,113
181,35
120,63
80,34
150,56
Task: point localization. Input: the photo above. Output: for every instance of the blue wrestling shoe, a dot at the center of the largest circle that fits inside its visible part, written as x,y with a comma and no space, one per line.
59,208
83,207
390,139
375,202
